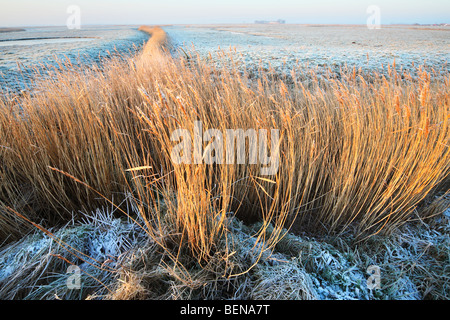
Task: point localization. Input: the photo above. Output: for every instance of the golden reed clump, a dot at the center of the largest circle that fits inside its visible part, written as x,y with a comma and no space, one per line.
360,152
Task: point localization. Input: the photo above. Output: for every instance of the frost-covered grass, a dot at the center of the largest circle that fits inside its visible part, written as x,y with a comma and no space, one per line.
125,264
322,48
36,267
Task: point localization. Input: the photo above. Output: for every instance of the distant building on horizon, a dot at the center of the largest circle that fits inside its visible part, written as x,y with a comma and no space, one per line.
279,21
433,24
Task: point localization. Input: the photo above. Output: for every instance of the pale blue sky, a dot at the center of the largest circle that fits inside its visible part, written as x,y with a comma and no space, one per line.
53,12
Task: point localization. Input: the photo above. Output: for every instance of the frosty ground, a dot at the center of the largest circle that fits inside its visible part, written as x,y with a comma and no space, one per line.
118,261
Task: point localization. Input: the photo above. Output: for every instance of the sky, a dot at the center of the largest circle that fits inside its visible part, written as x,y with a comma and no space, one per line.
14,13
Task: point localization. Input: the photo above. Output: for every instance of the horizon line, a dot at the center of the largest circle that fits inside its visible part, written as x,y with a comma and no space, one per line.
228,23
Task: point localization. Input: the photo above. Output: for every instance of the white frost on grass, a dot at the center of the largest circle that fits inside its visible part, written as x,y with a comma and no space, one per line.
36,266
413,263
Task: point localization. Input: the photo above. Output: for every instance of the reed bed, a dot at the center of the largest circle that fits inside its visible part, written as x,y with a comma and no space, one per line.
358,153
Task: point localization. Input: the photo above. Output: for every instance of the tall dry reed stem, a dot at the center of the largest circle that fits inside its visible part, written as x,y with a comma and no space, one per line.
361,151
